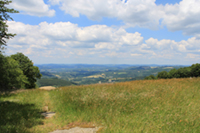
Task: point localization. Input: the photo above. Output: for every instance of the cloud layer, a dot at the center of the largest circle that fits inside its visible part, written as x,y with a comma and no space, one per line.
183,16
100,43
68,40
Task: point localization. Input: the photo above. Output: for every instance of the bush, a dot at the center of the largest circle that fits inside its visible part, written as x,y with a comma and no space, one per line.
150,77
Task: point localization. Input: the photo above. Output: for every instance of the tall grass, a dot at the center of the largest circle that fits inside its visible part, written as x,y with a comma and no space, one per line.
138,106
170,105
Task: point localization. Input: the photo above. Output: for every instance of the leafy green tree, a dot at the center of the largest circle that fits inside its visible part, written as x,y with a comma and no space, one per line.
195,70
11,74
4,17
184,72
30,71
162,75
173,73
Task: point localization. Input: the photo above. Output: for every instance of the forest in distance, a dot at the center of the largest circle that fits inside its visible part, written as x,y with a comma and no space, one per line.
82,74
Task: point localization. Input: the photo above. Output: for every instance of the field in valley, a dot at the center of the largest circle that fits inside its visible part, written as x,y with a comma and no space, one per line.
170,105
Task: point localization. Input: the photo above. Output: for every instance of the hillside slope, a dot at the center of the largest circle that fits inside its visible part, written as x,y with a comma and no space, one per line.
170,105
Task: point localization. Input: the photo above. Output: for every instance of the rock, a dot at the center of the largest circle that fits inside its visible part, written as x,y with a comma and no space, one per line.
48,114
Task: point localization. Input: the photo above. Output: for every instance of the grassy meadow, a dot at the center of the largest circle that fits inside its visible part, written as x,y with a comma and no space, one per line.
170,105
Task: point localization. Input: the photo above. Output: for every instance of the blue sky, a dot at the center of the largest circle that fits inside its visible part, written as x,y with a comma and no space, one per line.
106,31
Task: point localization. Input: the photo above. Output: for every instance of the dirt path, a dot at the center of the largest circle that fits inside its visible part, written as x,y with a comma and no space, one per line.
48,88
77,130
48,115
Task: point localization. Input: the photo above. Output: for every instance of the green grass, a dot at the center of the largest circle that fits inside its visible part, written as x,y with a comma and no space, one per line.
20,112
138,106
170,105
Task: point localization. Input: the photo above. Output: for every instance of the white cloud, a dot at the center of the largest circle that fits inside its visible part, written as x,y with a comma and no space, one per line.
164,44
95,33
143,13
59,30
67,40
184,46
183,16
33,7
66,35
94,9
132,39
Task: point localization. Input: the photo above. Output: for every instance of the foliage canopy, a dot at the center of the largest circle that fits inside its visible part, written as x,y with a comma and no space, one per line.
185,72
17,71
30,71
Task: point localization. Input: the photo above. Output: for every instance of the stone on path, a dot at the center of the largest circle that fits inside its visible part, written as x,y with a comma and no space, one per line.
48,114
77,130
47,88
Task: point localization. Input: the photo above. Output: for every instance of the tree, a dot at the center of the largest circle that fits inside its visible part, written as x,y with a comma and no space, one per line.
184,72
162,75
4,17
195,70
30,71
11,76
173,73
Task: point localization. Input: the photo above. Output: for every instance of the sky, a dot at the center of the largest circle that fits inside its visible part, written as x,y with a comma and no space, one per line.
165,32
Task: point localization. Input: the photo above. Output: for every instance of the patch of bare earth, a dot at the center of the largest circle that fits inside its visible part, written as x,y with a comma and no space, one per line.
47,88
78,128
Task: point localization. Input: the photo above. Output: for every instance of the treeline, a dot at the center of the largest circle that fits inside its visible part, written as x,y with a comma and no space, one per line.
192,71
17,71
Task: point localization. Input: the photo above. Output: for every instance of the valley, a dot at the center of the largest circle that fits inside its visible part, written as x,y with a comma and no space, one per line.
82,74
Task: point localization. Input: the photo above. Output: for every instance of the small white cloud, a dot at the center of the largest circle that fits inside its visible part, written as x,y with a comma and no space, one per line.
95,33
33,7
132,39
